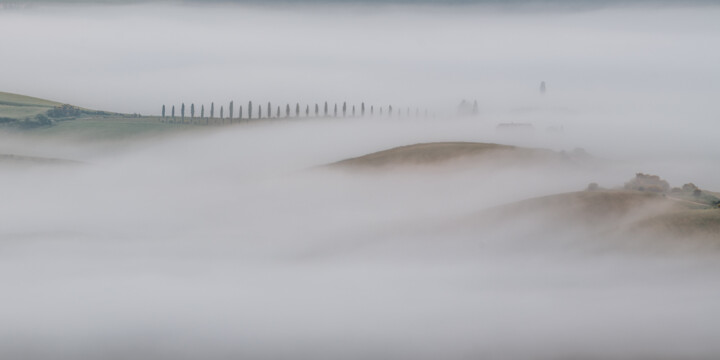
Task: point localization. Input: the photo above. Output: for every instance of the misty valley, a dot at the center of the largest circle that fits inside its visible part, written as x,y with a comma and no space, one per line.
359,180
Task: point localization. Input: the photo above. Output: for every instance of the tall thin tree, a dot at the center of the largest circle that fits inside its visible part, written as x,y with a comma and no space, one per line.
173,112
335,111
317,109
287,110
277,114
250,110
259,111
192,110
326,109
231,111
240,112
269,110
163,111
182,112
362,109
344,108
297,110
307,110
221,112
212,109
202,111
353,111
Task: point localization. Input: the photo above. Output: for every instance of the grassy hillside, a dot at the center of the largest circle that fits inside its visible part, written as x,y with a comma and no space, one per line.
609,218
14,106
435,153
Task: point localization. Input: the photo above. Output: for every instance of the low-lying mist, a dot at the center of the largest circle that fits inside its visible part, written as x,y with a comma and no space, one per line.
239,241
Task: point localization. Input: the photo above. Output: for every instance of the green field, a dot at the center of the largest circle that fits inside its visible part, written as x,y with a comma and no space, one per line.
19,113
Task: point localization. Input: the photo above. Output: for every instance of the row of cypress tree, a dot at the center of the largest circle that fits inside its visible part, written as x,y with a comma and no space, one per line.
344,111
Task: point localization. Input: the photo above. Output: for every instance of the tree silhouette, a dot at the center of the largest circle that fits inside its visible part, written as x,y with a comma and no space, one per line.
259,111
221,113
240,112
269,110
231,111
307,110
390,110
173,112
212,109
335,110
287,110
362,109
326,109
353,111
182,112
317,109
297,110
277,113
192,111
344,108
202,111
372,110
163,111
249,110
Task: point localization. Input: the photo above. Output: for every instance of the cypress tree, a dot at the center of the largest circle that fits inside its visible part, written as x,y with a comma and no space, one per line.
372,110
249,110
202,111
277,113
259,111
344,108
335,110
240,112
212,109
163,111
297,110
307,110
232,105
390,110
326,109
317,109
353,113
173,112
269,110
287,110
221,112
192,110
362,109
182,112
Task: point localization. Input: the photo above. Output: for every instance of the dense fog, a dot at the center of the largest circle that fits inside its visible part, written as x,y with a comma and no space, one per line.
237,241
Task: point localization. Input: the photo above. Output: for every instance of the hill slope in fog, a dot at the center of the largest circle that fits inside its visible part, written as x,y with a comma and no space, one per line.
425,154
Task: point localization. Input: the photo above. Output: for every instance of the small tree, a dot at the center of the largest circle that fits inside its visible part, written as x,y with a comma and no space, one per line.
287,110
221,112
240,112
163,112
231,111
326,109
317,110
182,112
192,111
297,110
277,113
390,110
362,109
353,111
259,111
212,109
202,111
344,108
307,110
335,110
249,110
269,110
173,112
372,110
